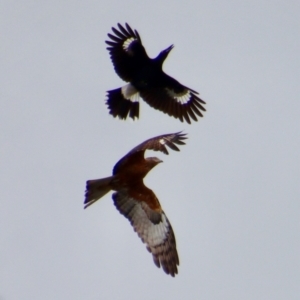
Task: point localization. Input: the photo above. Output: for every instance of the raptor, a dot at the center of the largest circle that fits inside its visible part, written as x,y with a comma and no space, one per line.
138,203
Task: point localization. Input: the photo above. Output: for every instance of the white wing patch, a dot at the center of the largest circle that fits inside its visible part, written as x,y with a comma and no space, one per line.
126,44
129,92
182,98
162,141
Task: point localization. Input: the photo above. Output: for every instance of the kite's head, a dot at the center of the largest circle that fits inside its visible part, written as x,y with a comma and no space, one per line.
152,162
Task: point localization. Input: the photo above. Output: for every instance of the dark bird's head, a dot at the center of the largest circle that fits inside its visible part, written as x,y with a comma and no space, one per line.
163,54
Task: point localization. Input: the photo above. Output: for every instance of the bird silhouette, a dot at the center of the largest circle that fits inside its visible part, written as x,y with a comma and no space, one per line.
146,80
138,203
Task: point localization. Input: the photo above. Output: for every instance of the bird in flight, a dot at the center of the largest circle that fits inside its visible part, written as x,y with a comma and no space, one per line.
146,80
138,203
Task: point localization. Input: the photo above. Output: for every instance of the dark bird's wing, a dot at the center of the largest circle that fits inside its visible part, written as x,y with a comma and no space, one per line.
160,142
174,99
153,228
126,51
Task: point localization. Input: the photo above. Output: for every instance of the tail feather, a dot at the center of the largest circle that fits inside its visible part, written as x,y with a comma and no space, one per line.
121,107
95,189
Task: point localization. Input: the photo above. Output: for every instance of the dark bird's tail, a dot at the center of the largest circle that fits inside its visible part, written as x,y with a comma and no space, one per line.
95,189
121,107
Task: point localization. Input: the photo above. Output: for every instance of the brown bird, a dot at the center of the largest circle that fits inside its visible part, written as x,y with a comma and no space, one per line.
146,80
137,202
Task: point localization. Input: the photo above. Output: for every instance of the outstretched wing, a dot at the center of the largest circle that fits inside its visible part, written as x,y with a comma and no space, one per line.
126,51
153,228
160,142
157,143
174,99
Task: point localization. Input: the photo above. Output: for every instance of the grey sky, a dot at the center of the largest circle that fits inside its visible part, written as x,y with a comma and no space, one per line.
231,194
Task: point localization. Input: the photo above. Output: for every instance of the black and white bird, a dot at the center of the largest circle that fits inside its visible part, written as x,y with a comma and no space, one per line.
147,80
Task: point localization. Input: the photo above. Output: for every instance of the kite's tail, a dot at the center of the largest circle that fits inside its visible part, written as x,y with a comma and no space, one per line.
95,189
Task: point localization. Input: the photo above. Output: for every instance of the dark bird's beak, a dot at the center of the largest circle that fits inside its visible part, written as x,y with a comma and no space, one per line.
163,54
169,49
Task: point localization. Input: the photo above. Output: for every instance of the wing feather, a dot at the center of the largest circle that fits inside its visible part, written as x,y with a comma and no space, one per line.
158,236
160,142
157,143
126,51
186,102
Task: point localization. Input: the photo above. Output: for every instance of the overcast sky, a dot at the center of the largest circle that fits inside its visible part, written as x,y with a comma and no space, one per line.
231,193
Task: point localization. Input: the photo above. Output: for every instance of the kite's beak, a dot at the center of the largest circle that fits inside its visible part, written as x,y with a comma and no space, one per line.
153,161
159,161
